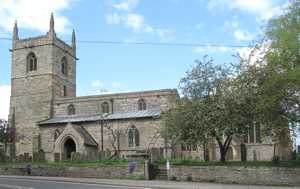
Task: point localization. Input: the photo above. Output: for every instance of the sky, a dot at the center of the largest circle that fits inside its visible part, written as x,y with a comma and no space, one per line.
108,68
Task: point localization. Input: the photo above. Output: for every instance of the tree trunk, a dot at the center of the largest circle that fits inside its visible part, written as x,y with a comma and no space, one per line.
5,148
205,153
222,154
223,147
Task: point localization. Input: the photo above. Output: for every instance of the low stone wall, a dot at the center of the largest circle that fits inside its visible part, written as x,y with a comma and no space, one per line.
109,172
237,175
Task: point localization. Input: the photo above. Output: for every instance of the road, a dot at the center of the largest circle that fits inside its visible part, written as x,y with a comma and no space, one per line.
12,183
21,182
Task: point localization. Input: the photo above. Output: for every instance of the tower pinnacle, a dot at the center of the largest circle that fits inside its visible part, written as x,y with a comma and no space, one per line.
73,41
51,32
16,32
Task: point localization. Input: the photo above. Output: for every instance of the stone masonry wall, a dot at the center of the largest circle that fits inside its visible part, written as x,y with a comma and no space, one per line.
122,102
32,92
108,172
237,175
148,129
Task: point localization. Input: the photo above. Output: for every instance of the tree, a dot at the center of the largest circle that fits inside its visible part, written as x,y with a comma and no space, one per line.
6,134
116,134
183,125
224,102
280,89
212,107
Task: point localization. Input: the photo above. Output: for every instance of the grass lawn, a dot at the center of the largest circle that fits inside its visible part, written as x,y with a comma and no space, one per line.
67,163
195,162
186,162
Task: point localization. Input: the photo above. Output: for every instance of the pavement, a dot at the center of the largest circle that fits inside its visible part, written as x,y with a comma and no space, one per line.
36,182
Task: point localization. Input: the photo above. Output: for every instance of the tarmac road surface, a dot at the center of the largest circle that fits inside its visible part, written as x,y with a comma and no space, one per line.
37,182
11,183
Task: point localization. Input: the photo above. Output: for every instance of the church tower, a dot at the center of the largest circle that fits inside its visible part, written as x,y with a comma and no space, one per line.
43,69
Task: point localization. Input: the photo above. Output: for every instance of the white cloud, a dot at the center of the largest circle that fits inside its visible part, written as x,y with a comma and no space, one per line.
97,84
116,84
97,92
166,34
126,5
256,54
211,49
33,14
262,9
273,12
133,21
123,15
253,6
230,24
113,18
137,23
199,26
4,101
243,35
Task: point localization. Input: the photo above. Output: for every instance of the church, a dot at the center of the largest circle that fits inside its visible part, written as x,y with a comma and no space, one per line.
48,117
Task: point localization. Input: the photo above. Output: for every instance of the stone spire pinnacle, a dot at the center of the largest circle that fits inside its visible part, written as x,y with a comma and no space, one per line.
16,32
51,32
73,40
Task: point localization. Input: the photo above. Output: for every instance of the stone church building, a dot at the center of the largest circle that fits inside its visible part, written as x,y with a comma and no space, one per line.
48,116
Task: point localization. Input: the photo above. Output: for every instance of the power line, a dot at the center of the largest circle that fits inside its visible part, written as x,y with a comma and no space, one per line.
200,44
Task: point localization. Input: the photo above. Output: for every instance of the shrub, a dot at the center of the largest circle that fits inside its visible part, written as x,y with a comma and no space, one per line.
275,159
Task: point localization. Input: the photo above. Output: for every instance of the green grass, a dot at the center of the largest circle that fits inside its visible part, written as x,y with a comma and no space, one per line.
196,162
118,162
186,162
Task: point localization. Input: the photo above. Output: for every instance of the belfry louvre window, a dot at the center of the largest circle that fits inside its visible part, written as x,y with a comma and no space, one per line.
31,62
71,109
133,137
105,107
64,66
64,91
141,104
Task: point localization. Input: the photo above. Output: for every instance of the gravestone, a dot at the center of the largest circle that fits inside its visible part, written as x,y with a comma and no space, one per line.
41,155
26,157
56,157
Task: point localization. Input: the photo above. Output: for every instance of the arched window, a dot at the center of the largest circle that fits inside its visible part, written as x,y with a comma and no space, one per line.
71,109
133,137
105,107
31,62
141,104
64,66
56,134
130,137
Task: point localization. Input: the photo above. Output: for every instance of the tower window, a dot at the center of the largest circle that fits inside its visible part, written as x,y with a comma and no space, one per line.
141,104
64,91
31,62
133,137
71,109
64,66
105,107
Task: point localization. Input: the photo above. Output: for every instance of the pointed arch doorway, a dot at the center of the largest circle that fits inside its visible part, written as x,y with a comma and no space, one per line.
69,147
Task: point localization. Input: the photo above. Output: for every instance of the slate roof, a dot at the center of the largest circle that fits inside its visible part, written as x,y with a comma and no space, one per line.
98,117
88,139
